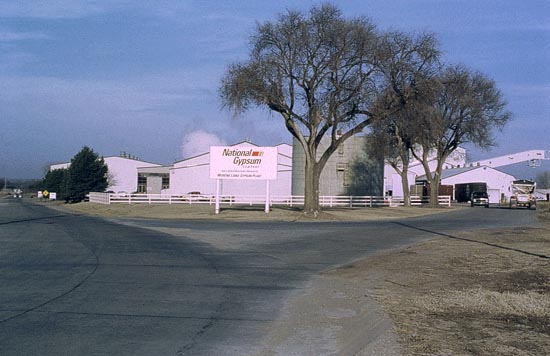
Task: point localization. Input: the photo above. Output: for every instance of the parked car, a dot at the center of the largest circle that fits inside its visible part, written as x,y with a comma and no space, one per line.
479,199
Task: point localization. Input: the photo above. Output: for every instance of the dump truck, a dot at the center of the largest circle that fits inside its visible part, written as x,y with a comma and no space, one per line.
523,194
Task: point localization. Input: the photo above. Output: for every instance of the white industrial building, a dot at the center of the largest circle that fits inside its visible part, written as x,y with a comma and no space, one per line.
122,171
193,175
498,183
128,174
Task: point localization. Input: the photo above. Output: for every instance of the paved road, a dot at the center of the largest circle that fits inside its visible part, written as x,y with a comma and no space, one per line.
77,285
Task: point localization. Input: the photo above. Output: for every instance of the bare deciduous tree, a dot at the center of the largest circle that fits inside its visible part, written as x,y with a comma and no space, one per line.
467,107
318,72
408,63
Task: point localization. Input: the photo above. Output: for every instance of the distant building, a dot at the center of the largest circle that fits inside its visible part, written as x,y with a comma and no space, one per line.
193,175
498,183
122,172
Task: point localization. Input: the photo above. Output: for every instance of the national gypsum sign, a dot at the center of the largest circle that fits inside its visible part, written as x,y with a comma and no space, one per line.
258,163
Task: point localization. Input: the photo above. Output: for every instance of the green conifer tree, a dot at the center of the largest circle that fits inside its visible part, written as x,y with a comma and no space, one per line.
87,173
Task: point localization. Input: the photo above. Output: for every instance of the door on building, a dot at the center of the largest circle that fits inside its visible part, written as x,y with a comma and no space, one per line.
494,196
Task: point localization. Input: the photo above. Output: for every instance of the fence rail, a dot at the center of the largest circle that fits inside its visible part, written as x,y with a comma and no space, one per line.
288,200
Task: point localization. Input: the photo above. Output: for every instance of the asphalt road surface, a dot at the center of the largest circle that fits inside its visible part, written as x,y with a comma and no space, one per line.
79,285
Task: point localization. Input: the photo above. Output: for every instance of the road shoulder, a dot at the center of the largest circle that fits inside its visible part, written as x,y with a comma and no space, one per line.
332,316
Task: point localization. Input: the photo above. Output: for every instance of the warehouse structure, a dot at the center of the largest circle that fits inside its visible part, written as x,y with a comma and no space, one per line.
498,183
192,175
127,174
122,171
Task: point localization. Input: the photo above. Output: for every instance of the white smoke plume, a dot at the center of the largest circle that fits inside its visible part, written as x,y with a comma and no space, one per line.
198,142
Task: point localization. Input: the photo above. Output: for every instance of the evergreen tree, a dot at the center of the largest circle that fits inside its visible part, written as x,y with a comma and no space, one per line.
87,173
56,181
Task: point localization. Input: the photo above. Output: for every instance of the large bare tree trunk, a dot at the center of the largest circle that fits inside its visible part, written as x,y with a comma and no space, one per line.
311,189
405,183
434,190
406,188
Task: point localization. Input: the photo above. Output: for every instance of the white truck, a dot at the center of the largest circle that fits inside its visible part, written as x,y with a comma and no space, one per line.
523,194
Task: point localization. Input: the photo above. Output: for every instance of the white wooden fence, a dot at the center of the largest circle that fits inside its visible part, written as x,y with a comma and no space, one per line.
288,200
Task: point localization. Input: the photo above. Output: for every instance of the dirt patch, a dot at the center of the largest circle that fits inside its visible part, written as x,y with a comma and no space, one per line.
486,296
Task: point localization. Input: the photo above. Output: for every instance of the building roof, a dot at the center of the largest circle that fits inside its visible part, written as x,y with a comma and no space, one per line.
446,173
245,142
451,172
134,159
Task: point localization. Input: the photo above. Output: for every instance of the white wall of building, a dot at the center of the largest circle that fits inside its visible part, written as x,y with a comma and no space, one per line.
122,172
193,175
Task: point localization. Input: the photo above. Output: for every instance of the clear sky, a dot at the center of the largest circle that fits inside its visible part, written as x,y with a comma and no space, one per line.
142,76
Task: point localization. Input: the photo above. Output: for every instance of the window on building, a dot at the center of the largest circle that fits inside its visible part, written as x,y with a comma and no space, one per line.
142,184
347,177
166,182
342,173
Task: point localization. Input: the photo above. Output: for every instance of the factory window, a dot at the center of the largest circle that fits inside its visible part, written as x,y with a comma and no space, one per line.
341,167
347,177
342,173
166,182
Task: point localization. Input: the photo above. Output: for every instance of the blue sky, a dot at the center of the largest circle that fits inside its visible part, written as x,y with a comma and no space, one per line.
142,76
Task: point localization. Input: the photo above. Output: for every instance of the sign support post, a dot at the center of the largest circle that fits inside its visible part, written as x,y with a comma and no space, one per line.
217,196
267,196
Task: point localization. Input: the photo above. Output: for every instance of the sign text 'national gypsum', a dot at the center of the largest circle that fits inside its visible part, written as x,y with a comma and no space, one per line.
243,162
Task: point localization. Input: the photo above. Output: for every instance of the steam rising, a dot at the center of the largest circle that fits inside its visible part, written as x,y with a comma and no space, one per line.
199,142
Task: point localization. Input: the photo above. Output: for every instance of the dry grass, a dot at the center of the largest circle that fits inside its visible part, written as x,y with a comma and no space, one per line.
452,297
527,304
242,212
543,210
